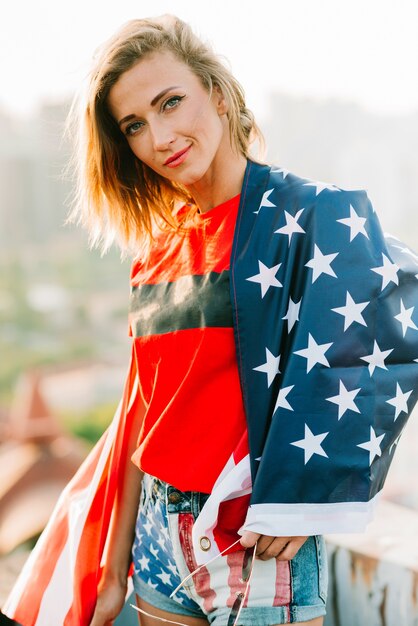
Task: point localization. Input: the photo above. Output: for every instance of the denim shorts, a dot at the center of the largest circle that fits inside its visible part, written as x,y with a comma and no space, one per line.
281,592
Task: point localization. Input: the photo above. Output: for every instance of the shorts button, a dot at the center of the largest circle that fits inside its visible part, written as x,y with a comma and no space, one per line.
174,497
204,543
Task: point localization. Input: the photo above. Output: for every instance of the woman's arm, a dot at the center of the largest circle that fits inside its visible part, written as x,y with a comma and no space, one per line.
113,583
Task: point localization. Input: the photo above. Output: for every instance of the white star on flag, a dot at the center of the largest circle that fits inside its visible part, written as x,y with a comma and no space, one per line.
173,569
311,444
373,446
266,277
165,578
144,563
351,311
154,551
404,317
265,202
270,367
314,353
281,170
320,186
148,527
355,224
292,315
321,264
400,401
345,400
377,358
281,399
292,225
151,584
388,271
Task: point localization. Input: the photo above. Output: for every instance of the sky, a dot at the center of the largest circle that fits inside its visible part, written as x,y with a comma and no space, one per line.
365,51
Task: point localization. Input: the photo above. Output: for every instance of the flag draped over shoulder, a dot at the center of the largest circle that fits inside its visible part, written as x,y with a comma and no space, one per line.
58,584
326,329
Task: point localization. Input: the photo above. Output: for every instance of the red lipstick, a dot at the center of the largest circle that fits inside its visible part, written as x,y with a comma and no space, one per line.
176,159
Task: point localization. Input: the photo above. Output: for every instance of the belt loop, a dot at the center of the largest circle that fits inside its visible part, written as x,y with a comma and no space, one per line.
195,503
147,481
166,495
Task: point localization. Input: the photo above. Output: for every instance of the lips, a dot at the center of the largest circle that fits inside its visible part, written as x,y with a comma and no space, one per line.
177,158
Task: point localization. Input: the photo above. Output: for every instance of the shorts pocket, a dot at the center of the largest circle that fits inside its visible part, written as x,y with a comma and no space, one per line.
309,573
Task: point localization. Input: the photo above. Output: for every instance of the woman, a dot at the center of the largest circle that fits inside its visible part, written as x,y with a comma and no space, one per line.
165,164
174,120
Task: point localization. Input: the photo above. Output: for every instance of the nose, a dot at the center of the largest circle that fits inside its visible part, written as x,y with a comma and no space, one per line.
162,136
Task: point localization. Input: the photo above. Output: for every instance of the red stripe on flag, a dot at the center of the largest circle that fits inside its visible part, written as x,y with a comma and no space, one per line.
201,579
234,562
231,516
241,449
89,555
283,594
87,568
54,540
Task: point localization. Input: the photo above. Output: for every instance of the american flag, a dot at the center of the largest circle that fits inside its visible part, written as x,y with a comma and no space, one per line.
327,345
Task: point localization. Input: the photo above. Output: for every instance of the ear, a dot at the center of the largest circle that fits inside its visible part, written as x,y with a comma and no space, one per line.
220,100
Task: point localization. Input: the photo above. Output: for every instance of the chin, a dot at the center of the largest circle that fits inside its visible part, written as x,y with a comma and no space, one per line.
191,177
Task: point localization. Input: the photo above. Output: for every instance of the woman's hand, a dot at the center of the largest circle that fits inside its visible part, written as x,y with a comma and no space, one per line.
281,548
110,602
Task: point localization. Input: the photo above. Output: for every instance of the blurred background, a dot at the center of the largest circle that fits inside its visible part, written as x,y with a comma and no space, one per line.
334,88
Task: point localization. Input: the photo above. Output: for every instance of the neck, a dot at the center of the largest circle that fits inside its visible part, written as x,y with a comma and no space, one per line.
222,182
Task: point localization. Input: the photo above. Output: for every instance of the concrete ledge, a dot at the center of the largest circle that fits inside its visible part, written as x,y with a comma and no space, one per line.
374,576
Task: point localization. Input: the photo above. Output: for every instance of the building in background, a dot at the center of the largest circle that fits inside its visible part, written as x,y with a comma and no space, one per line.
37,460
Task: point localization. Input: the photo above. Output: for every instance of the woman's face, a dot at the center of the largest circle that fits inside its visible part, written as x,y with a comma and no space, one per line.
171,122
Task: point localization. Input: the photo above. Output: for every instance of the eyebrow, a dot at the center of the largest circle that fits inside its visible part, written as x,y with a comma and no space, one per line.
153,103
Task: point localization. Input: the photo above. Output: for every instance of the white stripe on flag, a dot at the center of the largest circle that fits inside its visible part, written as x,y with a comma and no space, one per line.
219,580
58,595
263,583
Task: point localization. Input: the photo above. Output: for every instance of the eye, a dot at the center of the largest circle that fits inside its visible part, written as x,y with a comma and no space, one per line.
132,129
172,102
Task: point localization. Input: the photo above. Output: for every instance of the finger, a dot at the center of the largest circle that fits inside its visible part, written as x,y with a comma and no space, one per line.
291,549
249,539
271,547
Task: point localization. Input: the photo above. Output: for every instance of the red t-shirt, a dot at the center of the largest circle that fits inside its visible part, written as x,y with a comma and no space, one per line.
181,321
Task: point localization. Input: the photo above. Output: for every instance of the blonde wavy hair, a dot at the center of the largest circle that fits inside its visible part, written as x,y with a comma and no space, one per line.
117,196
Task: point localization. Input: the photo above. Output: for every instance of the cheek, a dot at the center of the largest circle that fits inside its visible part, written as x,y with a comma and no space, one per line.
141,149
210,129
202,119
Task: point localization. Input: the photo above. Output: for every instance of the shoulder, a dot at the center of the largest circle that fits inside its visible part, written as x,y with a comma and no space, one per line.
318,200
312,192
305,212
